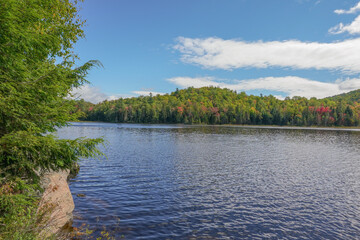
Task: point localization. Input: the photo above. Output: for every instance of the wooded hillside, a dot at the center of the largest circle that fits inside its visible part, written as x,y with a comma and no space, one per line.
212,105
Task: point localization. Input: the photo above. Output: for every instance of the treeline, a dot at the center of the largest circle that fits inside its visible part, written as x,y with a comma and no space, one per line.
212,105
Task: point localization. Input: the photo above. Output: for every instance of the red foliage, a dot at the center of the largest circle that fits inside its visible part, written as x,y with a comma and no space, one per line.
322,110
180,109
214,110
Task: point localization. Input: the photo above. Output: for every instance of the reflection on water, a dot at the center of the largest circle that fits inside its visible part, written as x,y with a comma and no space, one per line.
214,182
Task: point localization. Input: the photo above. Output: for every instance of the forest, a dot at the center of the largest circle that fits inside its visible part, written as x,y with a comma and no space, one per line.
213,105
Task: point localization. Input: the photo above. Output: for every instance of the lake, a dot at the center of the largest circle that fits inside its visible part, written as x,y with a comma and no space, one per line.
219,182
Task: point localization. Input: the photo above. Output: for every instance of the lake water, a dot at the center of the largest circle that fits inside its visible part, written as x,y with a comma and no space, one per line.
219,182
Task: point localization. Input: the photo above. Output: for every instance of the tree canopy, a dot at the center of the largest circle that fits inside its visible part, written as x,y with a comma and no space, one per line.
37,73
211,105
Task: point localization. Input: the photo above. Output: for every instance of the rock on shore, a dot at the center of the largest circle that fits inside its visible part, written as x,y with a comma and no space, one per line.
56,201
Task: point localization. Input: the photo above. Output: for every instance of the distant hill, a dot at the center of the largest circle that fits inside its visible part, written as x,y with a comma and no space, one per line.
353,96
212,105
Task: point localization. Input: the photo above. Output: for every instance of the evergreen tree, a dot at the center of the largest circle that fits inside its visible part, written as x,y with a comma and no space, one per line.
37,74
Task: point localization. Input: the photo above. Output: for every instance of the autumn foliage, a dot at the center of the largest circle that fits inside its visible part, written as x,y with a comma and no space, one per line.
211,105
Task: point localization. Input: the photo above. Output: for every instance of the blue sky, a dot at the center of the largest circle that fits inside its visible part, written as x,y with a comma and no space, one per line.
285,48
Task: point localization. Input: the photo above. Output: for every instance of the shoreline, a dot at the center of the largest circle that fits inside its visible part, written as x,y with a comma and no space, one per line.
332,128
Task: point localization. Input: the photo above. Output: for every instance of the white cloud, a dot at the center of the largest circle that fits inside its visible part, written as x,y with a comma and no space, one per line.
279,97
231,54
93,94
145,93
349,84
351,10
352,28
291,85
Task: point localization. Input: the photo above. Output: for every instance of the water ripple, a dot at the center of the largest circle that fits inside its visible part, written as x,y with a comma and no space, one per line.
211,182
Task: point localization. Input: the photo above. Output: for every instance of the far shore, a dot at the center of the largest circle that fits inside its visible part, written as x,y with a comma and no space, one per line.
333,128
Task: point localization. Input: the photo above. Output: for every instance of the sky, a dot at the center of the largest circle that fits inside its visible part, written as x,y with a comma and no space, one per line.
308,48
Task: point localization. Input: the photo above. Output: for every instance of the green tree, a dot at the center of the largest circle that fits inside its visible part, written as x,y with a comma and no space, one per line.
37,74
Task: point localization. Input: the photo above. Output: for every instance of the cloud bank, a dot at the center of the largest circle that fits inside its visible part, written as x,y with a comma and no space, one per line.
352,28
354,9
146,93
89,94
231,54
94,94
291,85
